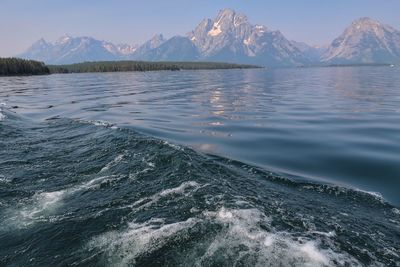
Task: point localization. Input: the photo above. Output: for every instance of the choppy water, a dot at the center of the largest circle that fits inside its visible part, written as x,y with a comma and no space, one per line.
75,190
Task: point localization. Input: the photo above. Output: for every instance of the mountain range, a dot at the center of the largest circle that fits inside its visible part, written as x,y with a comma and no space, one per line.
230,37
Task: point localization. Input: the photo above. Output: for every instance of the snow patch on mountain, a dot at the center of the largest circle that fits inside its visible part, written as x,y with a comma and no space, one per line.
216,30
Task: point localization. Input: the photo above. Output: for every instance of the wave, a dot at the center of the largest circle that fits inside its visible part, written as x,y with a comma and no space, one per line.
89,193
246,228
2,116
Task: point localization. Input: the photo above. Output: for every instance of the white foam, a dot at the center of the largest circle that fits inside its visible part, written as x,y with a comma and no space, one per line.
2,116
151,164
247,227
185,189
4,179
95,183
122,248
396,211
313,253
44,204
150,167
244,234
176,147
329,234
134,175
100,123
376,195
180,189
114,162
269,240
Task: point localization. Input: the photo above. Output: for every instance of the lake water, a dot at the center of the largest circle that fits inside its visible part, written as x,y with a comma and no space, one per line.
247,167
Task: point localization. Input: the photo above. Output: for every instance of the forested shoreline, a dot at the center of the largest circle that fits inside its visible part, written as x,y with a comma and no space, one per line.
18,66
122,66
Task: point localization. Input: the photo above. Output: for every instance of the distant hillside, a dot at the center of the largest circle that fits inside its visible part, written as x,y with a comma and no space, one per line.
17,66
118,66
365,41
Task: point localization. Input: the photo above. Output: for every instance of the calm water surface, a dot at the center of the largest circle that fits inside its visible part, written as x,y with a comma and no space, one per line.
201,168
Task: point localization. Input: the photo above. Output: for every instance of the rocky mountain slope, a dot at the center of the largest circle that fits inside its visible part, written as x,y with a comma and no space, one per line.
365,41
69,49
230,37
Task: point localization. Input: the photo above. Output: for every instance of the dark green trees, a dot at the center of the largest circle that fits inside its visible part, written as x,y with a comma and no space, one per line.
17,66
114,66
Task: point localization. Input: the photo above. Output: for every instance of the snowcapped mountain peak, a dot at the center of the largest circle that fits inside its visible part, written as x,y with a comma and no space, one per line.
231,37
227,18
64,39
225,13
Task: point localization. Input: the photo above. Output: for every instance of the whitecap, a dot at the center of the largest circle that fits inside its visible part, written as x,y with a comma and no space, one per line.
251,229
396,211
2,116
151,164
176,147
329,234
44,204
95,183
100,123
180,189
378,196
313,253
114,162
4,179
184,189
122,248
244,234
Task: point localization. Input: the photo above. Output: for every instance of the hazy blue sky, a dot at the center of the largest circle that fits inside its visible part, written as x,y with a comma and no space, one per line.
314,21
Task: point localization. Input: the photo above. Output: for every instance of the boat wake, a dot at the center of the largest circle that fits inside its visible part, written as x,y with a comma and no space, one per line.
87,193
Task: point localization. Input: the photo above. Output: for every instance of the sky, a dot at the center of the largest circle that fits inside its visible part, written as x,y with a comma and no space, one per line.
317,22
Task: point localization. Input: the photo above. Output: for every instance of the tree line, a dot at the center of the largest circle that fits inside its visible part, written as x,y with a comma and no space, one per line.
18,66
120,66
